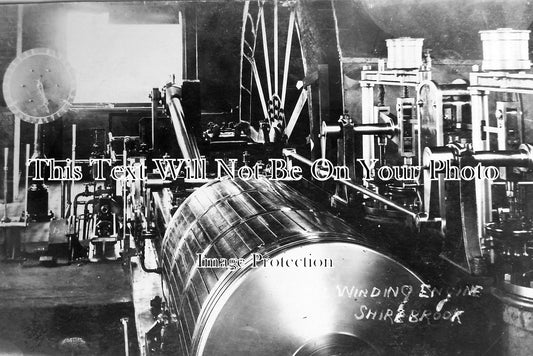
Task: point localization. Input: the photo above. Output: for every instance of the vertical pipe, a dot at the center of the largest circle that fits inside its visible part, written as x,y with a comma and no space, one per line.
367,103
37,141
124,322
63,188
183,37
26,187
478,144
73,163
147,207
486,185
196,41
16,158
155,100
16,133
20,17
6,168
124,193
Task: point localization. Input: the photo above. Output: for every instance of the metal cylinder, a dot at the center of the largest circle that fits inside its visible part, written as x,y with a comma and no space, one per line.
505,49
376,129
517,312
292,293
523,157
404,53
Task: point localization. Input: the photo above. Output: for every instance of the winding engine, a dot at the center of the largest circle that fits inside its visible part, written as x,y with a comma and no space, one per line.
427,172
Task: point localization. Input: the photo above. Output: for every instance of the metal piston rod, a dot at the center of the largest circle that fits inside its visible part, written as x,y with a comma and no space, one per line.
357,187
523,157
387,129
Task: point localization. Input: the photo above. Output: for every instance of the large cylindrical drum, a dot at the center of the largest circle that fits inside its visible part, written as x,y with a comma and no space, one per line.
254,268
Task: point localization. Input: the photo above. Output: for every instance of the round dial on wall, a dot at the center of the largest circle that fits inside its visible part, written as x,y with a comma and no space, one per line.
39,86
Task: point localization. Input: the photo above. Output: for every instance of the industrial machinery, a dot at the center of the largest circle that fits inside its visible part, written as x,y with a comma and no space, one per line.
223,260
289,259
496,223
239,239
425,114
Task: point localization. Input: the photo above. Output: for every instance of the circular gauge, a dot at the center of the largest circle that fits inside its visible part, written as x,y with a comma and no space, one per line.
39,86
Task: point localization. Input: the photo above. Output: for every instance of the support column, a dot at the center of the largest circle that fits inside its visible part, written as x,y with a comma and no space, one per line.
16,126
480,142
367,117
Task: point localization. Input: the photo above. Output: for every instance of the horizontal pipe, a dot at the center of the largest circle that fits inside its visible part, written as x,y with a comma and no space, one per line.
363,129
523,157
502,158
375,129
330,129
505,182
115,108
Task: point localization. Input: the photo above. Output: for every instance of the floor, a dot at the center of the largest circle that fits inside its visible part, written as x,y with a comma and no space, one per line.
74,309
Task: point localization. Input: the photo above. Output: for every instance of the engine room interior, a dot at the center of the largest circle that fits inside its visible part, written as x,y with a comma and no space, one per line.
266,177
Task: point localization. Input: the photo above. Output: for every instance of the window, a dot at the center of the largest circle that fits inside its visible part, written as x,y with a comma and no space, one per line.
121,63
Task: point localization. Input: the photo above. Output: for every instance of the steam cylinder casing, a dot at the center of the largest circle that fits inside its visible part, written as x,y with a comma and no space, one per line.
404,53
505,49
269,310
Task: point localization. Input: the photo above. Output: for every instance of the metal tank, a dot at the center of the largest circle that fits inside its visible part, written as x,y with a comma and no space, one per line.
307,299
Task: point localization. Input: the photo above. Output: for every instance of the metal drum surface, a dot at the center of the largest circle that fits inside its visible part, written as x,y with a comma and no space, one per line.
308,299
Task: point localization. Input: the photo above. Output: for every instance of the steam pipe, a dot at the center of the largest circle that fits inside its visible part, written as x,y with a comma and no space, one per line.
187,144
